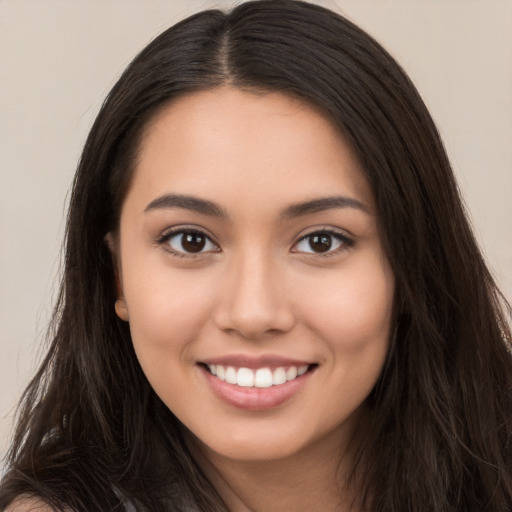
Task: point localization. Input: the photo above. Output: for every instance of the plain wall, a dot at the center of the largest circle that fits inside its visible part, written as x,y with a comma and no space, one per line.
58,59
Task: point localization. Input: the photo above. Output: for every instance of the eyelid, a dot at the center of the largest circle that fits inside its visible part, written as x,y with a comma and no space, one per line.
346,240
169,233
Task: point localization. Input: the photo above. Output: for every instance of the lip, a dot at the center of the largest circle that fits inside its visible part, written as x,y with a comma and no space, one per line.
252,398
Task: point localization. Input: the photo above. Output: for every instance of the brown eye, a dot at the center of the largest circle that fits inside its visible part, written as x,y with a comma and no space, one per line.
191,242
322,242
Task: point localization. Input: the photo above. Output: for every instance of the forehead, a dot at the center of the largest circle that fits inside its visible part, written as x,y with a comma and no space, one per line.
229,144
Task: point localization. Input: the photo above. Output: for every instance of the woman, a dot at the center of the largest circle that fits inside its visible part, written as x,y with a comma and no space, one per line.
272,298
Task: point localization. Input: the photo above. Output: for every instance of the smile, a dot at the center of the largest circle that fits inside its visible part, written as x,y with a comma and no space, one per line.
256,385
257,378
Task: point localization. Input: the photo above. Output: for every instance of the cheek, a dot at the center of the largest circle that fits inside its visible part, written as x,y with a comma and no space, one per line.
167,310
167,313
352,309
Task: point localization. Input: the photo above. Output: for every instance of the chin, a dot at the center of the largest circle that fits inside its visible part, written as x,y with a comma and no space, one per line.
255,441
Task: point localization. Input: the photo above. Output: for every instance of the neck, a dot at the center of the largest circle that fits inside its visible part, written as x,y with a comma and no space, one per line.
313,479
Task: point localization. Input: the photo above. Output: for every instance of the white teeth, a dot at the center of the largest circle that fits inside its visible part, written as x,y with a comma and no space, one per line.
260,378
263,378
302,370
245,377
291,373
231,376
279,376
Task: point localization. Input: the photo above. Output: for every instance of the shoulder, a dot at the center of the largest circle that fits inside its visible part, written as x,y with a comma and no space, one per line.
28,504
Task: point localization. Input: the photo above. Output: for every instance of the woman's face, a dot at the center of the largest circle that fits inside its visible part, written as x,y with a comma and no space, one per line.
252,273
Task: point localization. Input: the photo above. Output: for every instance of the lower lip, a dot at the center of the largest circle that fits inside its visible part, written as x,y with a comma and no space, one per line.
252,398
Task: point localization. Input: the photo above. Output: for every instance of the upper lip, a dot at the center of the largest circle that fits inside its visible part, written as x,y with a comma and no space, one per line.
254,362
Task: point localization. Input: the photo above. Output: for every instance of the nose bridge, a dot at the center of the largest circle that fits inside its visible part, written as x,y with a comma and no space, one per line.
253,298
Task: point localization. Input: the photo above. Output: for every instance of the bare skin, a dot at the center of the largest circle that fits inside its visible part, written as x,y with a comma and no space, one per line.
318,478
28,504
249,238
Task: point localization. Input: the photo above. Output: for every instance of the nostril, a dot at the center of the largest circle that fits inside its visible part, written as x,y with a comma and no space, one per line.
252,318
252,302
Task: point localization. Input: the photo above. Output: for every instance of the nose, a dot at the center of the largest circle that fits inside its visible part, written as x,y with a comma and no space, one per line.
253,301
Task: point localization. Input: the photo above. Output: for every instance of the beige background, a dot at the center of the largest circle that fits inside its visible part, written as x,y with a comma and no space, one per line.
59,58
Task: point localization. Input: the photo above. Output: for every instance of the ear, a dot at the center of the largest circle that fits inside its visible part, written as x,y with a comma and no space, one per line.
120,305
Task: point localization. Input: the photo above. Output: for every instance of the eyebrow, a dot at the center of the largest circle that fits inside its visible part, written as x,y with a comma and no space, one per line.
322,204
205,207
188,203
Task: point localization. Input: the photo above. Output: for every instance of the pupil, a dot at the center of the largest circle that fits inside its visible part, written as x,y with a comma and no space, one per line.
193,242
320,243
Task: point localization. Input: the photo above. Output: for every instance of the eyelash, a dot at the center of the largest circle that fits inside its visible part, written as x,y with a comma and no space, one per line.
345,242
169,235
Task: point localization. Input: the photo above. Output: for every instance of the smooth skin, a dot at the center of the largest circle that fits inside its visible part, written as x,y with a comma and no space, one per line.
269,268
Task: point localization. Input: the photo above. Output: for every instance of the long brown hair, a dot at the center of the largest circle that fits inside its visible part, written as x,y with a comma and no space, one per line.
91,432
